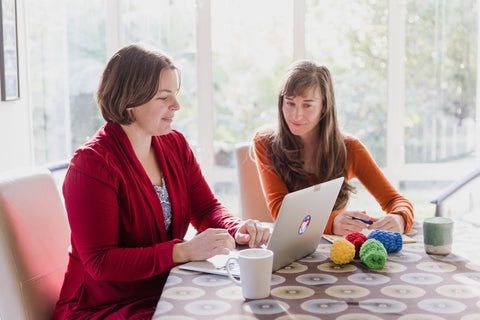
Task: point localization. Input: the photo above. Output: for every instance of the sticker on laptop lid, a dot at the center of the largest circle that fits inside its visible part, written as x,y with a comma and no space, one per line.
304,224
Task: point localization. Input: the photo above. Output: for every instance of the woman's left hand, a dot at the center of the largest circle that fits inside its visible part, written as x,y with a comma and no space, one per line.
391,222
253,233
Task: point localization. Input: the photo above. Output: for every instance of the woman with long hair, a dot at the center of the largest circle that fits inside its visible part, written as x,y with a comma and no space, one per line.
308,148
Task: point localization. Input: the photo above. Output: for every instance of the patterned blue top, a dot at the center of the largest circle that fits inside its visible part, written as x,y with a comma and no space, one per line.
166,205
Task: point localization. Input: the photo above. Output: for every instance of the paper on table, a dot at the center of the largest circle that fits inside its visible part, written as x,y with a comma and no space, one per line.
332,238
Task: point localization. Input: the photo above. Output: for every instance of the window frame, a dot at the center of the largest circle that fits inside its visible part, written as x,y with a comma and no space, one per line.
396,169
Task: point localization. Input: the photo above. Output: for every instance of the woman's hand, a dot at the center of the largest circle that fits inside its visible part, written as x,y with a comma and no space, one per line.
391,222
344,224
253,233
203,246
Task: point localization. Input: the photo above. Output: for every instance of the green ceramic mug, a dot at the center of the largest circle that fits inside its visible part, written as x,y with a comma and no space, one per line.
437,235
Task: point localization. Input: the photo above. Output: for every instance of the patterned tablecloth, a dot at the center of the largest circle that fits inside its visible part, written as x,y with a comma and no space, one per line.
413,285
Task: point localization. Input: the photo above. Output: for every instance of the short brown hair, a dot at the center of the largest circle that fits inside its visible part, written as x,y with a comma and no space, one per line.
130,79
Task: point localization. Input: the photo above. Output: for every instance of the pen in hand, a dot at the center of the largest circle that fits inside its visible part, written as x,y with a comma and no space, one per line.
363,220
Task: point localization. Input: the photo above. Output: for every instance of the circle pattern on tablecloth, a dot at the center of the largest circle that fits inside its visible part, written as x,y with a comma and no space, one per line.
449,257
183,293
276,279
314,257
235,317
324,247
292,292
392,267
311,279
332,267
211,280
403,291
297,317
207,307
347,291
163,306
434,266
414,247
173,281
412,286
324,306
383,305
358,316
467,277
174,318
473,266
421,278
266,306
441,306
404,257
293,267
420,316
368,278
457,291
230,293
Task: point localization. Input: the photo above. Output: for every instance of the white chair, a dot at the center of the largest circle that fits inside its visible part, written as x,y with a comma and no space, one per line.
34,241
252,200
59,170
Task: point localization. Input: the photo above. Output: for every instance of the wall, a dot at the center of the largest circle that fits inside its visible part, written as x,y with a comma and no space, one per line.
15,134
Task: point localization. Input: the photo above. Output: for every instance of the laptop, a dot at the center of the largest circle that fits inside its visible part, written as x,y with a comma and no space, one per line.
296,233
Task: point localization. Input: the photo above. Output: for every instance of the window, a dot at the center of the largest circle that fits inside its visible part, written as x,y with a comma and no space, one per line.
441,76
172,29
234,53
66,54
355,52
251,48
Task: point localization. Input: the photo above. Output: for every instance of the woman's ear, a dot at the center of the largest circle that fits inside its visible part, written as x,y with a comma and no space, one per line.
129,114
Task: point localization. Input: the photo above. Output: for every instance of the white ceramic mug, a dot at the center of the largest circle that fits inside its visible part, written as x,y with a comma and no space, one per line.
255,272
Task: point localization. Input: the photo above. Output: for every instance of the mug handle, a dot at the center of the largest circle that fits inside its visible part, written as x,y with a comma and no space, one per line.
227,266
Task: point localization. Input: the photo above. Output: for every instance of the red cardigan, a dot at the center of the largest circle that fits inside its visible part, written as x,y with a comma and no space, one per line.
120,255
360,165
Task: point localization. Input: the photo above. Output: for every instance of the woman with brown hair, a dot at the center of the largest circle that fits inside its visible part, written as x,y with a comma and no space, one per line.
308,148
131,193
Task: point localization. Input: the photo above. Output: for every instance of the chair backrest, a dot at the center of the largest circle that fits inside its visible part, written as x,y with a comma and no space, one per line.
252,200
34,241
59,170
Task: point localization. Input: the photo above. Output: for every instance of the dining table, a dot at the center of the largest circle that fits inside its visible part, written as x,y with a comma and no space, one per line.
412,285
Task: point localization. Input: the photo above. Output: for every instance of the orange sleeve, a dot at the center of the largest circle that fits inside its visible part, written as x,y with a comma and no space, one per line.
362,166
274,189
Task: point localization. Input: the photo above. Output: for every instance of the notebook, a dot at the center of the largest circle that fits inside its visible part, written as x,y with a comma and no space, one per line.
296,233
331,238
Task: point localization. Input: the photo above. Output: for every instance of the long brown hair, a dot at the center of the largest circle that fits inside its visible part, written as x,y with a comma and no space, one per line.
286,149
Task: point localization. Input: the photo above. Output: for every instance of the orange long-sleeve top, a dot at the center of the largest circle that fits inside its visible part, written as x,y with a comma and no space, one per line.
360,165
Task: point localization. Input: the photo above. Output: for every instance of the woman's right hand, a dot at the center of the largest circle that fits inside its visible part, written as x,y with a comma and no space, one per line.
203,246
343,223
